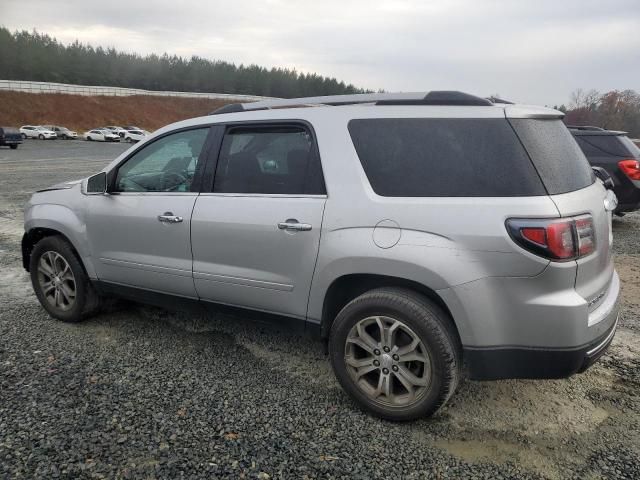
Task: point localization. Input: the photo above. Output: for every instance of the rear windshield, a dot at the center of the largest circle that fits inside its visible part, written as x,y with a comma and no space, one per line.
555,154
429,157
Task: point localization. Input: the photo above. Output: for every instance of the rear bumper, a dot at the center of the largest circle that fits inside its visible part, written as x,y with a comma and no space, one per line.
531,327
502,363
628,207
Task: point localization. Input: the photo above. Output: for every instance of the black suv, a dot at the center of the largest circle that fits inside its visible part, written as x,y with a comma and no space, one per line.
619,156
10,137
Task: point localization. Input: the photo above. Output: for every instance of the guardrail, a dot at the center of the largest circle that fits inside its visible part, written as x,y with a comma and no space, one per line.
90,90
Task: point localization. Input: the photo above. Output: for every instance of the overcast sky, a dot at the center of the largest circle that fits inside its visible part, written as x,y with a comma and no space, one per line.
527,51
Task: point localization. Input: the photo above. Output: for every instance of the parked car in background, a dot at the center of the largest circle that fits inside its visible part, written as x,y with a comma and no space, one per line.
133,136
117,130
33,131
132,127
10,137
101,135
62,132
619,156
458,231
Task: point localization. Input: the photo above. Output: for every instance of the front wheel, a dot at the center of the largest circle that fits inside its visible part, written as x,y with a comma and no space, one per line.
13,147
396,353
60,282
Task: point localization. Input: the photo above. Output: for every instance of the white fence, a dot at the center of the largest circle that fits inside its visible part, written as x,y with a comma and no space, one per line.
45,87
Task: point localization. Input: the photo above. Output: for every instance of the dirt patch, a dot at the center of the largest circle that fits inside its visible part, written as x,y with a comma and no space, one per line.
497,451
628,267
82,112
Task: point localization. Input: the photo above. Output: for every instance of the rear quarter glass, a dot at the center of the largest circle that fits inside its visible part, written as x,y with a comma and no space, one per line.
557,157
436,157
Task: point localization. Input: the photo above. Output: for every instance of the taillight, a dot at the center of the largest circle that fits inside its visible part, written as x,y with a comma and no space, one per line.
631,168
556,239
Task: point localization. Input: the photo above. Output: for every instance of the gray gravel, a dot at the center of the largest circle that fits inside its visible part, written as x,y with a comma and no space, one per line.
139,392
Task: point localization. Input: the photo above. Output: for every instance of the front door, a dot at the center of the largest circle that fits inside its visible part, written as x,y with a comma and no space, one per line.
255,235
140,231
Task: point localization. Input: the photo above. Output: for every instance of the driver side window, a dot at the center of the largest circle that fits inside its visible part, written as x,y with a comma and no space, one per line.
166,165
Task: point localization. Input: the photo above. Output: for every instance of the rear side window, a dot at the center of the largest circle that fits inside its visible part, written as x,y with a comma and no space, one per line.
602,145
428,157
555,154
269,160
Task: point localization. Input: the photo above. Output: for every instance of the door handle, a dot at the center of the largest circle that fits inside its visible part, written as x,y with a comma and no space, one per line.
292,225
168,217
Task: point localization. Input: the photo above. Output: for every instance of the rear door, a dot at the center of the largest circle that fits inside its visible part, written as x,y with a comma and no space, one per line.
255,234
570,182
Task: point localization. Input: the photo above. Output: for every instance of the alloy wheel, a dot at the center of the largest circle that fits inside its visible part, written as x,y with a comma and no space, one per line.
387,360
56,280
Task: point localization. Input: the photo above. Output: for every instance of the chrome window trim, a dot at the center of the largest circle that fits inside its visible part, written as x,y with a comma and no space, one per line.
128,194
261,195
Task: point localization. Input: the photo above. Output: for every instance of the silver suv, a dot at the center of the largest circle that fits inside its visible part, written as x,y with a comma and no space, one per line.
415,233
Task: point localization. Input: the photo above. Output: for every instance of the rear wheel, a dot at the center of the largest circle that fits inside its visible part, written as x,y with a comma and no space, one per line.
60,282
41,137
24,136
395,352
13,147
89,138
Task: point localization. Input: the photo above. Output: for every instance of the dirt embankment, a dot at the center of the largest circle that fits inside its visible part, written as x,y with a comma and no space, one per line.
81,112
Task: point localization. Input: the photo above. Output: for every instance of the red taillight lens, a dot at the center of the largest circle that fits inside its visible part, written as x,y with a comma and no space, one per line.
631,168
565,239
535,234
560,237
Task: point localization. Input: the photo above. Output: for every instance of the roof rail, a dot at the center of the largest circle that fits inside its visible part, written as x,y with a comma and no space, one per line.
585,127
436,97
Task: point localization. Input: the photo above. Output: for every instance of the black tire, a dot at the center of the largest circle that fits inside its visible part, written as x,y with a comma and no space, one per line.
89,138
41,137
13,147
430,324
24,136
87,301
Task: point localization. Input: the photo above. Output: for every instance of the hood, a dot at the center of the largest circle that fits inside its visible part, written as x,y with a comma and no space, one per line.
61,186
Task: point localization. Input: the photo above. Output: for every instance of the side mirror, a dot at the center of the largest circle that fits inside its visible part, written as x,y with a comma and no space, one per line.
604,177
97,184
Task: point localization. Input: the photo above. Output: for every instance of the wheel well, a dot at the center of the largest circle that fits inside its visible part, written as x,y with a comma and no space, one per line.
33,236
346,288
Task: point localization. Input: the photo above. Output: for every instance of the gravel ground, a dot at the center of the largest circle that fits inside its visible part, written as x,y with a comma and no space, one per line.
139,392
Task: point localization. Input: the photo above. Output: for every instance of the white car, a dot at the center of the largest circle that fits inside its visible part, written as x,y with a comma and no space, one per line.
33,131
133,136
101,135
62,132
117,130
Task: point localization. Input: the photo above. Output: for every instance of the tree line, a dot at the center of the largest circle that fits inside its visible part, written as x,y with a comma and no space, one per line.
614,110
38,57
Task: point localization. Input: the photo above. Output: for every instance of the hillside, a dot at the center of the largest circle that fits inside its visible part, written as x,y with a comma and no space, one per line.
81,113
